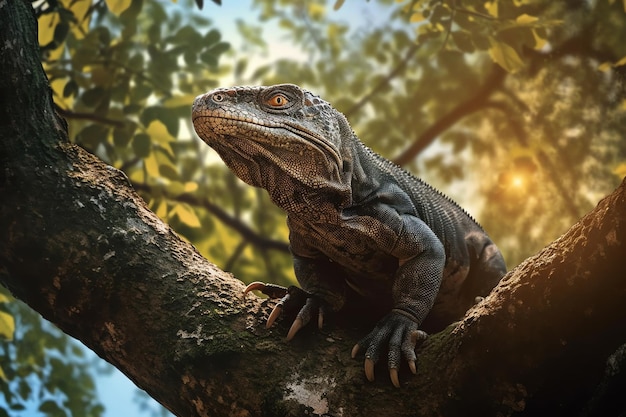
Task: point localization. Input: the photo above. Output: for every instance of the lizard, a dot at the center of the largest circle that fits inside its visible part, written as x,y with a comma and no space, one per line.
359,225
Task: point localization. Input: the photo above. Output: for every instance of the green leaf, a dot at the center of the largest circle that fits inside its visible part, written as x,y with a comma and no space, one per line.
463,41
132,109
140,92
103,35
240,67
186,36
338,4
52,409
24,389
209,58
169,172
92,136
186,215
481,42
136,62
60,32
152,166
130,14
130,28
123,135
142,145
93,97
154,34
117,7
70,89
212,36
505,56
219,48
179,101
166,116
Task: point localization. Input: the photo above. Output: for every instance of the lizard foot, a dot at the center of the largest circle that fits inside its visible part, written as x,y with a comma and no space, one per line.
292,298
401,335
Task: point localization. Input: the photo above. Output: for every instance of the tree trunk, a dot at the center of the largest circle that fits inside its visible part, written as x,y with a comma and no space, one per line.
81,248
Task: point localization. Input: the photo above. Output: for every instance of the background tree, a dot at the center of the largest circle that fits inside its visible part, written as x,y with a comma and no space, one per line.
512,108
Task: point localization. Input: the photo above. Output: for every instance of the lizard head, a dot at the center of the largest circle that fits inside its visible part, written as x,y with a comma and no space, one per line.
281,138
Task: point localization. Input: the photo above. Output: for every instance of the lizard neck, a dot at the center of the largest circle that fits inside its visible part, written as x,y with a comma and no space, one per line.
366,172
311,204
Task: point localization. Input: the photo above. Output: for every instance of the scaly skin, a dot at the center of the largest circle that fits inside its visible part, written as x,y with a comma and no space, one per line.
357,222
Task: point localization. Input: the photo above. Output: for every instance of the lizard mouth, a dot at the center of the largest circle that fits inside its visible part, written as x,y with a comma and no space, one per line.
301,134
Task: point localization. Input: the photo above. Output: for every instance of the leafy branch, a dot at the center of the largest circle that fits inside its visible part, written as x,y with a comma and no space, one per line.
395,72
68,114
469,106
244,230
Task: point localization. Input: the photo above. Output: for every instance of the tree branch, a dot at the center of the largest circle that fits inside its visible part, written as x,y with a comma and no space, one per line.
471,105
384,82
68,114
244,230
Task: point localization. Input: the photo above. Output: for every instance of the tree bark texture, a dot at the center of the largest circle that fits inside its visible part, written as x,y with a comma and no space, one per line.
81,248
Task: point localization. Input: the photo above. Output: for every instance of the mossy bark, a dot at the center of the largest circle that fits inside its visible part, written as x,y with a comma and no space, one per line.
80,247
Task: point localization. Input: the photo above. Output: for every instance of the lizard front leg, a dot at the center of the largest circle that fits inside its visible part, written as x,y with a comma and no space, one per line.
416,282
321,291
318,277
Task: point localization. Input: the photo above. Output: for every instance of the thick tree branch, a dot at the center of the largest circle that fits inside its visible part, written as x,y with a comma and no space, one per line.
79,246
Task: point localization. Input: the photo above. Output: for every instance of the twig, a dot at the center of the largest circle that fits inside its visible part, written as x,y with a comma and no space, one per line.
384,82
68,114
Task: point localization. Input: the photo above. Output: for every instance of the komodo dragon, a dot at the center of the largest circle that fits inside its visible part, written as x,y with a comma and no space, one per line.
357,222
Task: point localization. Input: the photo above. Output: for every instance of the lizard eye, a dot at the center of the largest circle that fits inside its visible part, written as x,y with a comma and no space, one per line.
278,100
217,97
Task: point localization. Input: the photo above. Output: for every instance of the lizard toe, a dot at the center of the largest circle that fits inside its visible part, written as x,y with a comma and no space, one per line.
271,290
304,316
398,335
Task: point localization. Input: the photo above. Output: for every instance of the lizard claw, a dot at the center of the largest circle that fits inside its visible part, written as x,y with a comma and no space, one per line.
305,314
291,297
369,362
355,350
369,369
393,374
295,327
401,335
271,290
278,308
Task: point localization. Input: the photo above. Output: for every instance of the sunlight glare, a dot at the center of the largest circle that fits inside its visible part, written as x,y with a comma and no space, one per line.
517,181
